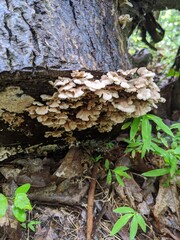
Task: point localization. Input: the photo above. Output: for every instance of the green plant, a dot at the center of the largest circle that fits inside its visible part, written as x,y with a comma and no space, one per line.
164,144
97,158
136,221
20,203
176,139
141,138
167,48
171,159
110,145
170,155
30,225
119,172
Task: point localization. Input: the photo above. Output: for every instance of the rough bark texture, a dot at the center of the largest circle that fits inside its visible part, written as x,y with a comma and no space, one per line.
41,40
59,34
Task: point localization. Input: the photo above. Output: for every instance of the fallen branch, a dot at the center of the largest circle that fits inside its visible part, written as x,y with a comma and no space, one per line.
91,202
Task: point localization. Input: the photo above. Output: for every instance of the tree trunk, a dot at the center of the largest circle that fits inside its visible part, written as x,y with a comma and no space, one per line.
41,40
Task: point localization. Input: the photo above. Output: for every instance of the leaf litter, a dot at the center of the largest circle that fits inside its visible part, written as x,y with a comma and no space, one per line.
59,195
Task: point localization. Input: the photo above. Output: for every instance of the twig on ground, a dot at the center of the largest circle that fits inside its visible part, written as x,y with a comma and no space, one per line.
91,202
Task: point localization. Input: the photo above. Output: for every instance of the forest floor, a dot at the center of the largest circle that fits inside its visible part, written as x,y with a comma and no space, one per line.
65,186
74,192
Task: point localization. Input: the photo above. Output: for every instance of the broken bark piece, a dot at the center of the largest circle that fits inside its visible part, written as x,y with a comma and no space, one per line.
71,165
71,196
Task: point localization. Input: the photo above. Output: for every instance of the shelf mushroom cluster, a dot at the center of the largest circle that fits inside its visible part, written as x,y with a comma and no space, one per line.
82,102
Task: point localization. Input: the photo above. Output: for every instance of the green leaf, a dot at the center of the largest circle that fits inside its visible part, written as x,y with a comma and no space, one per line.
173,163
173,73
146,133
23,189
34,222
157,172
109,177
134,128
158,150
120,223
31,225
164,141
175,125
3,205
141,222
134,144
143,151
120,181
106,164
177,150
97,158
122,168
125,125
121,173
110,145
23,225
160,124
133,228
22,201
19,214
124,210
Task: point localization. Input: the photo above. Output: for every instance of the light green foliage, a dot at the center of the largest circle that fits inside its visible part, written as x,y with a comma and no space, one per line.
176,139
136,221
165,143
30,225
141,139
110,145
173,73
171,154
97,159
3,205
119,172
19,214
21,203
167,48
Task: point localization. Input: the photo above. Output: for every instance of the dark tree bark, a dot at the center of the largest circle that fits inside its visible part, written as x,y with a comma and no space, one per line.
61,35
41,40
176,90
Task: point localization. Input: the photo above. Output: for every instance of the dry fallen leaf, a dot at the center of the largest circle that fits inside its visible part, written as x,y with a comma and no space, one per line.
167,207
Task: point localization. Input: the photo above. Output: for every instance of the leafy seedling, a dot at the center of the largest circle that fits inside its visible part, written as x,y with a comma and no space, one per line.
97,158
119,172
136,221
21,203
30,225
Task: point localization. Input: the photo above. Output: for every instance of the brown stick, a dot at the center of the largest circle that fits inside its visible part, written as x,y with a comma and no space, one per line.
91,202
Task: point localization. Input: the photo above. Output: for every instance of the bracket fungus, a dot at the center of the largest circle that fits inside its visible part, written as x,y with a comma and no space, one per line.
82,101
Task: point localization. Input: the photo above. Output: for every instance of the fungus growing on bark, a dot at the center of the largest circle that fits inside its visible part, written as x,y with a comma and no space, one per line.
83,101
124,19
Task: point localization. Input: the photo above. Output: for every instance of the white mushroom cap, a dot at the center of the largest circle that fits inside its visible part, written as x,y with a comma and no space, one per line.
124,106
144,72
41,110
94,85
144,94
